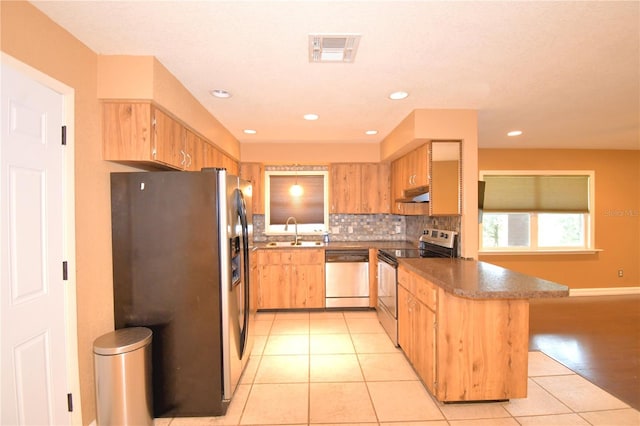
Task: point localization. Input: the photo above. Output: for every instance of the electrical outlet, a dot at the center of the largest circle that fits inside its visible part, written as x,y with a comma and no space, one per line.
398,229
350,230
620,273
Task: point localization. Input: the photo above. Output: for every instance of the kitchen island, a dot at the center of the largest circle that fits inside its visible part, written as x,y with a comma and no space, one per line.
464,326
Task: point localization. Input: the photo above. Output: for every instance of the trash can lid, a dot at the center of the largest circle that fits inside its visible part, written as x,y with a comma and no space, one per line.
122,341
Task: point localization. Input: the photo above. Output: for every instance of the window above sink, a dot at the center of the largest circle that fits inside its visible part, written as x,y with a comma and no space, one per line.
310,208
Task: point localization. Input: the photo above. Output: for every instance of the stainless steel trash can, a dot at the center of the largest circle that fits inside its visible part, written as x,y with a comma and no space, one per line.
122,367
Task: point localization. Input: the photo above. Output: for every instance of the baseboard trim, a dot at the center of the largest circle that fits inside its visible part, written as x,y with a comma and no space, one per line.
609,291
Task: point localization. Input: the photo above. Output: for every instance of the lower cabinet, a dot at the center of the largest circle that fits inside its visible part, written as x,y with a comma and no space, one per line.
417,335
289,279
463,349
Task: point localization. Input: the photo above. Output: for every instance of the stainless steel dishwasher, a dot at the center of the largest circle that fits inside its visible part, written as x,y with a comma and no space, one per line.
347,278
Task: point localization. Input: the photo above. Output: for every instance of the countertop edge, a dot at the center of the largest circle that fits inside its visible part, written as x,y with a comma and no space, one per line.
525,286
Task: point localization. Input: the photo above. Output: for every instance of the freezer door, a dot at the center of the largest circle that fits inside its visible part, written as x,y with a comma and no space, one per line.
236,306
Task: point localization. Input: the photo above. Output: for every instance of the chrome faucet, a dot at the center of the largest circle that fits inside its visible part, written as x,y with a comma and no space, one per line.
286,227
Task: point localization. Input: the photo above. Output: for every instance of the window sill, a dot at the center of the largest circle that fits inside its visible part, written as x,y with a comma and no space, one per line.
537,252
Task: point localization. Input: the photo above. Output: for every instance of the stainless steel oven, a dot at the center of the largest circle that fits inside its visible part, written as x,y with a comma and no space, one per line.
387,306
432,243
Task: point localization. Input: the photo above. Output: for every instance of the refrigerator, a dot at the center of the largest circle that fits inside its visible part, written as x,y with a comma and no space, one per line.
181,243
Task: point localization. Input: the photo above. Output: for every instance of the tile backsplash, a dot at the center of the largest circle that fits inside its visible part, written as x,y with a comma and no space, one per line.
370,227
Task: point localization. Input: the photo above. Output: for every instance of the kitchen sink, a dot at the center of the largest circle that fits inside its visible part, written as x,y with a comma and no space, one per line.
291,244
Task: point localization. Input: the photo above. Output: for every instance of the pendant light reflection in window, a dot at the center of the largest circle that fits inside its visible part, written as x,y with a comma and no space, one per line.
296,190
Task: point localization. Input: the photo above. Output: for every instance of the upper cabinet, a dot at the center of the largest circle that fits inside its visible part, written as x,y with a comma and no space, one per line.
359,188
410,172
434,167
141,134
416,167
445,180
254,173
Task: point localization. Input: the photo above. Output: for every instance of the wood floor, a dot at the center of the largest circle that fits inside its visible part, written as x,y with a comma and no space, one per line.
598,337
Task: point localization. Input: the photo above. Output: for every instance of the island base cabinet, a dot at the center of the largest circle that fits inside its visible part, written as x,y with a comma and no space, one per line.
482,349
463,349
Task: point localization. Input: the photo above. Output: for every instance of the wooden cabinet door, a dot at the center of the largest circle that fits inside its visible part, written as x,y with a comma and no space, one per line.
208,155
274,279
419,164
254,173
230,164
126,131
345,188
374,188
373,277
424,343
194,149
307,288
254,280
397,185
168,140
405,329
274,287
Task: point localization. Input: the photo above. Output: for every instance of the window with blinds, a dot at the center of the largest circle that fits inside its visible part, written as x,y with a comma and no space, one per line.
306,210
537,210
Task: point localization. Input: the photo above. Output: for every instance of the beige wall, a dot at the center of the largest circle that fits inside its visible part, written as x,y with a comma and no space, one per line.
617,216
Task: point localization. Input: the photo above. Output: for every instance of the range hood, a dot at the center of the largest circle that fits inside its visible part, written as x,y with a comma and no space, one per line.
419,194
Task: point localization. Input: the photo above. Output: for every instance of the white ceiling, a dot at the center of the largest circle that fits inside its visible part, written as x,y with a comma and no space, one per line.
566,73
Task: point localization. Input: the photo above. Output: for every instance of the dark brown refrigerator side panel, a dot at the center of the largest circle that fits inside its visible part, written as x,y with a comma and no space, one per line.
167,277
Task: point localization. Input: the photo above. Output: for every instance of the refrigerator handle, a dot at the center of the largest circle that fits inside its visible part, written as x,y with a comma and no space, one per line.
242,211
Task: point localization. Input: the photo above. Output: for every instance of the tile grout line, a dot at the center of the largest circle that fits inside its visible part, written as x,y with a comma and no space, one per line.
364,378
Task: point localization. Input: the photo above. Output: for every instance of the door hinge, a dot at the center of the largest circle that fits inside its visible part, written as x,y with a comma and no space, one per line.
70,402
65,275
64,135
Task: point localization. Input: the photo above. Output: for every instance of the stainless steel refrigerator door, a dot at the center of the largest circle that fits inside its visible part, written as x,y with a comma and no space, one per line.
236,307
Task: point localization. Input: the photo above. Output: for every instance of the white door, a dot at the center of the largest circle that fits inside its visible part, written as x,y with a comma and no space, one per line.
32,297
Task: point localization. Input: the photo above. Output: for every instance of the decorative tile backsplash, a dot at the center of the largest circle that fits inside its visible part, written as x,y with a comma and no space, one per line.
370,227
416,224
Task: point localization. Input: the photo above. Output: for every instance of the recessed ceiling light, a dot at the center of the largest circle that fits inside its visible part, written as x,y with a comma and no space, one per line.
398,95
220,93
371,132
250,131
514,133
311,117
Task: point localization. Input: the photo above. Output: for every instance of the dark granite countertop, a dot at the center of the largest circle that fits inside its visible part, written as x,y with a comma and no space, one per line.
346,245
481,280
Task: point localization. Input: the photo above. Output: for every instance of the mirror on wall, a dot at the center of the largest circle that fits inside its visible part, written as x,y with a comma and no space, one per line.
445,167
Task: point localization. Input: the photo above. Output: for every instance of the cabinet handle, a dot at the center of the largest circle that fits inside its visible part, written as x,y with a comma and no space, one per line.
184,158
189,163
154,125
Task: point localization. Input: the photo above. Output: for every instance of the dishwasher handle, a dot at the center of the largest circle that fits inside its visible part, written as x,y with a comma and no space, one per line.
346,256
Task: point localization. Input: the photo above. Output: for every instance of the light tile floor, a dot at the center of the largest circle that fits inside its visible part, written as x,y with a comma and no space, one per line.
340,368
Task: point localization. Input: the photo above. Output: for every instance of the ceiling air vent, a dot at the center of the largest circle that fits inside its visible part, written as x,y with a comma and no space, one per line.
333,47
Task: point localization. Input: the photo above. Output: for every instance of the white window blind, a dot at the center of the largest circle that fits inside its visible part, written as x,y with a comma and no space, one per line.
536,193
